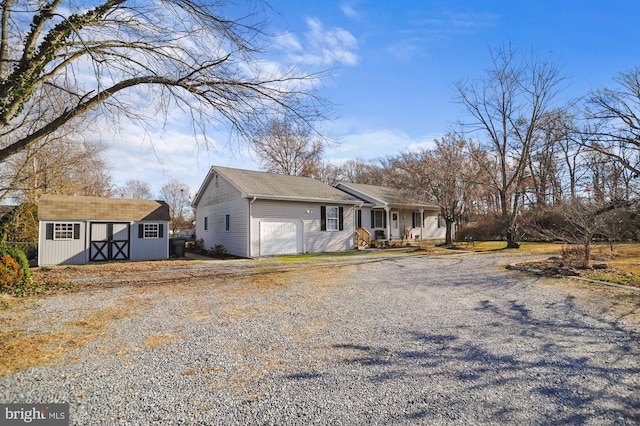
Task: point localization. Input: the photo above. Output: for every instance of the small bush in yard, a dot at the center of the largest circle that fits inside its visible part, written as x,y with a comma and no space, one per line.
218,250
15,275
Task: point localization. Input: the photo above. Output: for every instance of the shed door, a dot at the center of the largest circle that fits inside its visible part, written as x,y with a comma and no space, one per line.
280,236
109,241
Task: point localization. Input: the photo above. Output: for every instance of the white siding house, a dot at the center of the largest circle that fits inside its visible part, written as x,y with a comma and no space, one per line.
78,230
388,213
255,214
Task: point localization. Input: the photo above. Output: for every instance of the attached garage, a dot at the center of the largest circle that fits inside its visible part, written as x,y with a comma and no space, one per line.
280,236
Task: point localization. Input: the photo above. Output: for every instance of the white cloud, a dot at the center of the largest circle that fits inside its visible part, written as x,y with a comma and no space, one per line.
437,27
322,46
377,143
349,10
287,41
336,44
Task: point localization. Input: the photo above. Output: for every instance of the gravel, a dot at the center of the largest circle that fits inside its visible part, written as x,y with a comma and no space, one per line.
399,340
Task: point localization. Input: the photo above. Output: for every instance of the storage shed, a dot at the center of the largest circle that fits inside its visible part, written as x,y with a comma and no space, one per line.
79,230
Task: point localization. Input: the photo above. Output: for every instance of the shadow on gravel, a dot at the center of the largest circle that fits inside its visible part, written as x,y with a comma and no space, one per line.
550,370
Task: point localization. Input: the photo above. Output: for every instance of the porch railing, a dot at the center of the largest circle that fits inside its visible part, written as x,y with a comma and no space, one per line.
363,238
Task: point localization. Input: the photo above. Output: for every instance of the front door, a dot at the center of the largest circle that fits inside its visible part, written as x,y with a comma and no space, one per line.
109,241
395,226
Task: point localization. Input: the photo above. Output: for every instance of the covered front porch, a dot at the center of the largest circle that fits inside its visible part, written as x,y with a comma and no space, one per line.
398,224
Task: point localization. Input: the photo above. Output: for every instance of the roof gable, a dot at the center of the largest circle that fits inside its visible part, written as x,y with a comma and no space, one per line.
275,186
63,207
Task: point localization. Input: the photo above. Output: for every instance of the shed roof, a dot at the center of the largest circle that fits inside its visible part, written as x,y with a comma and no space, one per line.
275,186
64,207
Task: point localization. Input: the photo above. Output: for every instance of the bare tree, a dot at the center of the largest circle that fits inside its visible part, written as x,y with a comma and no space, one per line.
135,188
545,160
445,175
61,59
64,165
362,171
176,195
288,148
615,121
507,106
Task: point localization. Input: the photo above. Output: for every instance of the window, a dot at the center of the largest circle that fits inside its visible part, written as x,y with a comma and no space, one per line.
151,230
63,231
417,220
332,218
227,223
206,223
378,219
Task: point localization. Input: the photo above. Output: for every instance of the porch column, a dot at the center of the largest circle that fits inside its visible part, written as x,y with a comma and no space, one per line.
387,211
422,224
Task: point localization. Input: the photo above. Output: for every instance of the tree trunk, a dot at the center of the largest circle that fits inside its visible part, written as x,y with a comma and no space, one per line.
449,228
587,253
511,242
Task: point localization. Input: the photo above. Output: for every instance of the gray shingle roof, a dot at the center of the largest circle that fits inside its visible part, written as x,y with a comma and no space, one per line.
391,196
282,187
63,207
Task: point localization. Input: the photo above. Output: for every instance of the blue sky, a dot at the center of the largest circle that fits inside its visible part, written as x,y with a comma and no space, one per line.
395,63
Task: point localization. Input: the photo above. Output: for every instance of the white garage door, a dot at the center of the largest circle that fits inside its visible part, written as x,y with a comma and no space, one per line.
280,236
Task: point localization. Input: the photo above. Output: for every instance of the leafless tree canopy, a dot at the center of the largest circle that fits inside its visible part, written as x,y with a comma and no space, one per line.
506,108
60,59
136,189
614,121
64,165
288,148
176,195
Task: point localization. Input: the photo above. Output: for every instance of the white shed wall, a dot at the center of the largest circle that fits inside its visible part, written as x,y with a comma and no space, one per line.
65,252
149,248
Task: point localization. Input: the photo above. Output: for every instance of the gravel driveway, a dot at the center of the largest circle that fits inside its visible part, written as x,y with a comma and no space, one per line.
397,340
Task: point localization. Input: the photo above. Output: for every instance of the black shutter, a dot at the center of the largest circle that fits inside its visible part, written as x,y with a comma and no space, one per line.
359,219
76,231
161,230
340,218
384,219
373,219
140,230
49,231
323,218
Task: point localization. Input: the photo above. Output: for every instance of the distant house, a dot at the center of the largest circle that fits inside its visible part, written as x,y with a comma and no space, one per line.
390,214
255,214
78,230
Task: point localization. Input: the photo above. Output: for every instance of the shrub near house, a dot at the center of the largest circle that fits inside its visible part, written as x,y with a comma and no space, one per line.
15,275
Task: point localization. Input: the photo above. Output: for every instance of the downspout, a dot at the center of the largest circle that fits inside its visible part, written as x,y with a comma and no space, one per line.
249,230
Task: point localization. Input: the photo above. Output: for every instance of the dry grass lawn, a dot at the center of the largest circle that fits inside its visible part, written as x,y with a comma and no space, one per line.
22,347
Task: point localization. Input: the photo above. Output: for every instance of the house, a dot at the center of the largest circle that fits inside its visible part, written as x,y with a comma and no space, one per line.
78,230
255,214
390,214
